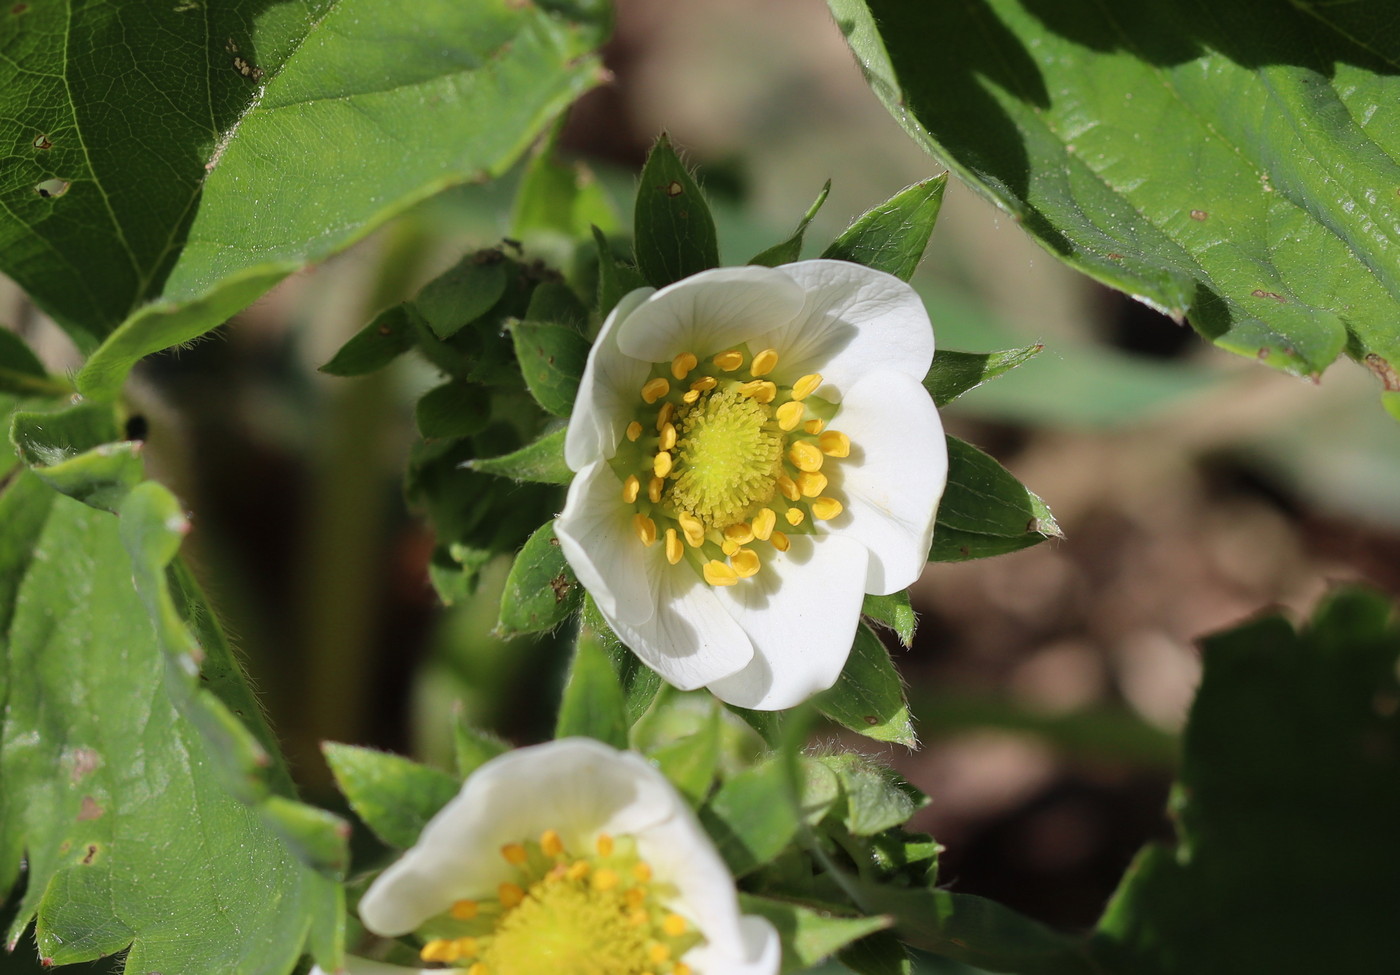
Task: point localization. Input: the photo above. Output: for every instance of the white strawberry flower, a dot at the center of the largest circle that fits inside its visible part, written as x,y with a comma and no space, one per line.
755,452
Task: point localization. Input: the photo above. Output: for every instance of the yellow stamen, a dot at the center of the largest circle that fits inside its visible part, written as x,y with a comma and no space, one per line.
683,363
790,415
642,872
631,488
654,389
811,483
510,895
826,508
439,949
551,844
806,386
834,443
668,436
728,547
780,541
674,925
514,853
464,910
661,464
745,563
658,953
740,533
634,897
763,524
691,396
604,845
704,383
638,918
795,516
787,487
764,362
663,415
760,390
674,549
682,969
578,870
805,456
654,487
605,879
480,969
645,529
634,430
719,574
729,361
466,947
692,529
814,425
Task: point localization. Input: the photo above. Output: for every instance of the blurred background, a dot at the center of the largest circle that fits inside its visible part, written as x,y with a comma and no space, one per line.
1195,488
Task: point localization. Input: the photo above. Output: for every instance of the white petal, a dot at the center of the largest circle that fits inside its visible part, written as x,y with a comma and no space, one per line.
710,312
576,786
801,612
893,479
364,966
608,393
855,320
596,536
760,951
691,640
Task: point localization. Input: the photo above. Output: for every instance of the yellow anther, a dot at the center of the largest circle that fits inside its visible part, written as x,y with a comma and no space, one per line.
813,425
668,436
745,563
764,362
826,509
759,390
605,879
634,897
805,456
704,383
663,415
466,947
787,487
604,845
551,844
690,396
642,872
654,389
674,549
480,969
795,516
578,870
807,385
638,918
634,430
682,969
439,949
834,443
763,524
780,541
464,910
692,529
658,953
645,529
719,574
811,483
683,363
515,854
661,464
674,925
631,488
728,547
654,487
510,895
740,533
790,414
729,361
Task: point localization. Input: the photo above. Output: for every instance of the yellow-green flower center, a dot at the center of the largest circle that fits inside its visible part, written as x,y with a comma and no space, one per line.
726,459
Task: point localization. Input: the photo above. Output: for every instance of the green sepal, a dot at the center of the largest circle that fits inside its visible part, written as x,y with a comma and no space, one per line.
791,249
395,797
594,704
892,236
454,409
880,953
48,439
809,934
752,817
868,697
675,234
893,612
615,278
541,590
874,798
541,462
473,748
954,373
388,336
985,511
551,359
463,293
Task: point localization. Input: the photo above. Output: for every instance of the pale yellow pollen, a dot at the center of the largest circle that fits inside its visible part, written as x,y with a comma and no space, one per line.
728,547
826,508
642,872
719,574
729,361
740,533
510,895
664,415
780,541
668,437
811,483
691,396
795,516
604,845
634,430
674,549
759,390
578,870
645,529
763,362
683,363
790,415
654,487
763,524
806,386
551,844
658,953
631,488
661,464
439,949
787,487
605,879
745,563
704,383
654,389
674,925
464,910
813,425
515,854
834,443
805,456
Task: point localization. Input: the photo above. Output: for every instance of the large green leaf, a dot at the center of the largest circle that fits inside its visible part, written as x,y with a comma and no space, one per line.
1287,805
192,153
1234,163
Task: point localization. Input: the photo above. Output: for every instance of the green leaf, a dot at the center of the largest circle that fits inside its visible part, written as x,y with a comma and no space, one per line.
462,293
474,748
71,450
182,136
21,372
892,611
809,935
868,697
554,303
1248,183
388,336
675,234
985,511
954,373
551,358
878,954
541,462
875,798
1286,805
394,796
892,236
791,249
454,409
752,818
593,704
559,198
615,278
640,684
692,761
541,590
